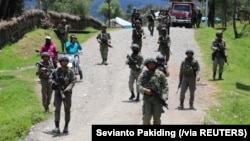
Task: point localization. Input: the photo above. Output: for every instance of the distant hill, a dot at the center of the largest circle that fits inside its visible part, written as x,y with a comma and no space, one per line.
124,3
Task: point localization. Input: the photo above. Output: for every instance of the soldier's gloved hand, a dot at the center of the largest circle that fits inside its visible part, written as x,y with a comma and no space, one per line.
54,85
66,91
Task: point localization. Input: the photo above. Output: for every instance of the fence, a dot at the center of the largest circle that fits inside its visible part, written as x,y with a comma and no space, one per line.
13,29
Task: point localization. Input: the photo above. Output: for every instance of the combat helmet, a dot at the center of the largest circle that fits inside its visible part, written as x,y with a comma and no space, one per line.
163,30
135,47
190,51
218,33
149,60
45,54
160,57
63,20
63,57
104,26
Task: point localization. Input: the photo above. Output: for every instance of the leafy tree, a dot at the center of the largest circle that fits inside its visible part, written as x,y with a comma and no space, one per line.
78,7
110,10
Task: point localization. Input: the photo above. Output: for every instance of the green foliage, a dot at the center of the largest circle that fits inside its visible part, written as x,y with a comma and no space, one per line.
115,10
234,89
78,7
20,104
20,107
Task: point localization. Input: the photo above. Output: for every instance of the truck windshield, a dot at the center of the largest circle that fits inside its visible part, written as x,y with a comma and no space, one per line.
185,8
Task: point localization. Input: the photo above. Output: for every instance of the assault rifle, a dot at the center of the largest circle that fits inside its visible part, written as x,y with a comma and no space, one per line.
60,87
132,61
221,51
106,43
40,65
158,96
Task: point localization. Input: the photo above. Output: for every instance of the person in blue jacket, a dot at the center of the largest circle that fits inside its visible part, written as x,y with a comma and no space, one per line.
73,47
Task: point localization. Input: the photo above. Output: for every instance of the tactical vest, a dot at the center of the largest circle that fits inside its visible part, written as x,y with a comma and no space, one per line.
189,68
46,75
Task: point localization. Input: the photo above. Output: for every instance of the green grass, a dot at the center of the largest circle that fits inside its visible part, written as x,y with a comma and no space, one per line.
20,103
234,97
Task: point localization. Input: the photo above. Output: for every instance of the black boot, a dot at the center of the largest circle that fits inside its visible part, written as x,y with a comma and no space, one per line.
137,97
191,105
102,61
214,74
181,107
132,95
65,130
105,61
220,76
56,130
80,73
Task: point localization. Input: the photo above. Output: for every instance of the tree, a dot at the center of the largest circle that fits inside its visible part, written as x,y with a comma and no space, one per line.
78,7
234,22
111,10
10,8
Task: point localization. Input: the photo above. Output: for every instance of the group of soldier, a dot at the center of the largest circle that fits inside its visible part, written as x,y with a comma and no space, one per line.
152,80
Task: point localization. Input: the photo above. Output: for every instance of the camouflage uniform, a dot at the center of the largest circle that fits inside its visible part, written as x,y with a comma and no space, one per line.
135,70
104,39
151,105
44,76
62,33
161,65
189,73
137,35
164,42
151,22
66,78
219,55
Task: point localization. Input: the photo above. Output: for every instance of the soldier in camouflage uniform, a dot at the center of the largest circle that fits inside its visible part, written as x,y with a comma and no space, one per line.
62,33
45,68
164,42
151,21
104,39
188,75
63,82
138,34
134,61
219,55
149,80
161,64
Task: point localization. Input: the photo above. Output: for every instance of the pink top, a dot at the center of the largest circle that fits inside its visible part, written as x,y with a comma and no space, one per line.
52,50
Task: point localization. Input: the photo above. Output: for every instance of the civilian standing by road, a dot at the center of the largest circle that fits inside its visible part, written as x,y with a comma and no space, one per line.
188,75
152,83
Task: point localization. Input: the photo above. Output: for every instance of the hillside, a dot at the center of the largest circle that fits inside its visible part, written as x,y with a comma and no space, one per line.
124,3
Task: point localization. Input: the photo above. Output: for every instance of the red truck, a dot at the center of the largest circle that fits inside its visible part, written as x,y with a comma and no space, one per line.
182,14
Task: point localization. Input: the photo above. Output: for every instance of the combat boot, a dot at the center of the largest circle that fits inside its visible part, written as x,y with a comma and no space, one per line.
132,95
46,109
214,74
65,130
80,73
105,62
220,76
191,105
56,130
137,97
181,107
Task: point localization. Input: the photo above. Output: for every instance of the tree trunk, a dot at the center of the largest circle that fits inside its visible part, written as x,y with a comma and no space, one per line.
4,8
234,21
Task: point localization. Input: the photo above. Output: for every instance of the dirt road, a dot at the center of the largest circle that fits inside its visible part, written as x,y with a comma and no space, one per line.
102,98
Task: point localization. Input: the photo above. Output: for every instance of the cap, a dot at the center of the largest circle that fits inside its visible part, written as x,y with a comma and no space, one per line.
48,37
